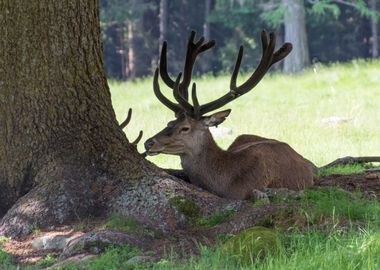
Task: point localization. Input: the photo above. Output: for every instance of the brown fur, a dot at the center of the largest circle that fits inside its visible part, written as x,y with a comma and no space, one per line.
251,162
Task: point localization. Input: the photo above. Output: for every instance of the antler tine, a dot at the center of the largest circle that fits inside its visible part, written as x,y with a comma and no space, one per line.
262,68
137,140
282,52
267,60
186,106
127,120
164,67
193,50
156,88
235,73
197,114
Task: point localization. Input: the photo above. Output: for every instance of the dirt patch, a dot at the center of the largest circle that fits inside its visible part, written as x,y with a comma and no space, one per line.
366,183
24,253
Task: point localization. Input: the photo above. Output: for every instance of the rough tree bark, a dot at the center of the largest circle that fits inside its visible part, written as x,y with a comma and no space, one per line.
295,32
63,156
56,114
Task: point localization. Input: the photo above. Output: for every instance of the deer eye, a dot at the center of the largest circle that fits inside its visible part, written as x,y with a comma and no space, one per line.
184,129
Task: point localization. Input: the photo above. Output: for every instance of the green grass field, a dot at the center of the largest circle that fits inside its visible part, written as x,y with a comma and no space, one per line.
324,113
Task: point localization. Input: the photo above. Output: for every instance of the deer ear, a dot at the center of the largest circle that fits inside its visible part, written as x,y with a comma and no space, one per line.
216,118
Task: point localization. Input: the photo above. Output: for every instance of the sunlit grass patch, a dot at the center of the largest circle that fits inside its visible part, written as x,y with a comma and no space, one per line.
112,259
342,169
324,113
314,250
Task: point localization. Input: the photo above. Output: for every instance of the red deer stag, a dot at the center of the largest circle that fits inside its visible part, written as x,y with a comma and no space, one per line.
251,163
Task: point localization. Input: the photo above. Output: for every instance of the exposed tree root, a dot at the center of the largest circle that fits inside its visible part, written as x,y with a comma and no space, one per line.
351,160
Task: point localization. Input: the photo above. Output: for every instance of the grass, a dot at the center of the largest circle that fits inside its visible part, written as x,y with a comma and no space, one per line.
5,260
313,250
338,203
48,260
112,259
324,113
342,169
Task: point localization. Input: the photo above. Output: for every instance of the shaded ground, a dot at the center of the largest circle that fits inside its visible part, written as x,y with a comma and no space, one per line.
186,242
368,183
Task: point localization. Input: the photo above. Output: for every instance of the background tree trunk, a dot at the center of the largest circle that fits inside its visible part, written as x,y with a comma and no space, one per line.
295,32
374,30
206,60
163,16
131,71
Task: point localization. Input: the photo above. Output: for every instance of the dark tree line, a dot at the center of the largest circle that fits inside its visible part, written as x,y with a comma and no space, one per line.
320,30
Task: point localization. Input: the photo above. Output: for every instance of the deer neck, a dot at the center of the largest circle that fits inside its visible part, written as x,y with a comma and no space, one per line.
201,163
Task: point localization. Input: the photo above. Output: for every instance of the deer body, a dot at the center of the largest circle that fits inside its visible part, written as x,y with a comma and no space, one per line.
246,166
251,163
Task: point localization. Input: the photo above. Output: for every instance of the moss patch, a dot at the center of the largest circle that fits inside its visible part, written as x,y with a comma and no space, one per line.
186,207
251,244
216,218
121,223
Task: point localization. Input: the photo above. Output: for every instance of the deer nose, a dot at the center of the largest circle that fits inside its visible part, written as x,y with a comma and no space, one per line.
148,144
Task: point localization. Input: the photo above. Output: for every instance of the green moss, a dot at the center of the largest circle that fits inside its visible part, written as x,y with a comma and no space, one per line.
119,222
186,207
251,244
260,202
216,218
48,260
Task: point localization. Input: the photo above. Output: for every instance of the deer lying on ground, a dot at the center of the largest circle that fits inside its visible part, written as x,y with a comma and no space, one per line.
251,163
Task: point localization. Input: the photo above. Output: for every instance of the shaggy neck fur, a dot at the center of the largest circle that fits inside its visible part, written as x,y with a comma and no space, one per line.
205,164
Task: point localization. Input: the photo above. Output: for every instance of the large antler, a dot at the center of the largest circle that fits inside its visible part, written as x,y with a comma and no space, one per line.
269,57
193,50
180,89
181,94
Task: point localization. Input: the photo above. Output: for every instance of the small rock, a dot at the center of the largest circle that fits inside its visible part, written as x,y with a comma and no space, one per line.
139,260
333,121
75,259
97,242
51,242
372,176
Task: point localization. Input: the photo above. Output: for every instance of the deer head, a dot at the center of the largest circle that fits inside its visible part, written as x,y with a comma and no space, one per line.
189,132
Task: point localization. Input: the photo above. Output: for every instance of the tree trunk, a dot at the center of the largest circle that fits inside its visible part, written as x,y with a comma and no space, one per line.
163,16
295,32
56,116
206,24
63,156
131,71
374,30
206,61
